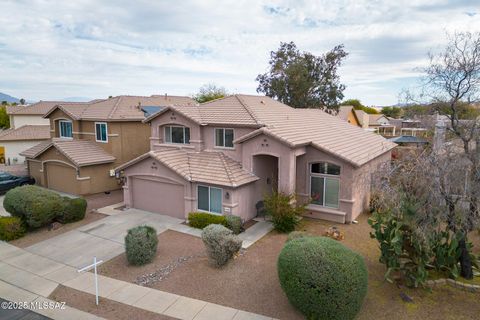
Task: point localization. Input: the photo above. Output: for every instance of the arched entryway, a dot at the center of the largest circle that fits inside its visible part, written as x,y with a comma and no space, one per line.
266,168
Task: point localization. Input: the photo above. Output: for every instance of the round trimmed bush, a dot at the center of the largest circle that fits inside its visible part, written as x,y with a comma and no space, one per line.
322,278
221,244
74,210
11,228
36,206
141,245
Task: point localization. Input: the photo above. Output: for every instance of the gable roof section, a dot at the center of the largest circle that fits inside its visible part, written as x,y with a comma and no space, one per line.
39,108
202,167
80,152
27,132
121,108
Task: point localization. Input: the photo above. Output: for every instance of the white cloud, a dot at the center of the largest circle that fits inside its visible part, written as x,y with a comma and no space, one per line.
55,49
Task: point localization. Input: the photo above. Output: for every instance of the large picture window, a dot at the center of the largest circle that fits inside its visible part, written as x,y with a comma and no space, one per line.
224,138
101,132
177,134
65,129
325,184
210,199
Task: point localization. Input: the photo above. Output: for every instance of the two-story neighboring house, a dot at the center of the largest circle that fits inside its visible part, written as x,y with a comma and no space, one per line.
89,140
27,129
224,156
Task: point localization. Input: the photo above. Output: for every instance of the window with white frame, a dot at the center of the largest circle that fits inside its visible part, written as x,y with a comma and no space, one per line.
209,199
224,137
325,184
101,132
65,129
177,134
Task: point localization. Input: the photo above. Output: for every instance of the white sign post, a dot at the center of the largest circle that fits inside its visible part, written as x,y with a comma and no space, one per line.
94,266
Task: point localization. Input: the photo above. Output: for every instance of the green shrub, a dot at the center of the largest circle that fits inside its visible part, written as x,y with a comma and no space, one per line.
73,210
11,228
200,220
221,244
36,206
285,214
322,278
141,245
234,223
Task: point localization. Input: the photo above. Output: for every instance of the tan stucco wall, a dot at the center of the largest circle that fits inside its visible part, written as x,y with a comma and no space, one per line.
208,133
90,179
352,119
13,148
57,115
17,121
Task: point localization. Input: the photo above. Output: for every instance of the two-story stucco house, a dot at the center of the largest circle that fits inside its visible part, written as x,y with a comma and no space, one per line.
88,141
225,155
27,129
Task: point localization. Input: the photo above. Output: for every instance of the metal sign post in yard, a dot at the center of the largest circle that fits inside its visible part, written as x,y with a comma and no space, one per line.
94,266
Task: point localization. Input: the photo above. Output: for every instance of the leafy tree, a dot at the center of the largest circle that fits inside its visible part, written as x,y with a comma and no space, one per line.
4,103
303,80
22,101
392,112
4,118
210,92
357,105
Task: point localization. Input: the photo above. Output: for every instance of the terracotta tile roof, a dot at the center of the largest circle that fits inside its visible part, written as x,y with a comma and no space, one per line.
79,152
39,108
122,108
202,167
298,127
27,132
295,127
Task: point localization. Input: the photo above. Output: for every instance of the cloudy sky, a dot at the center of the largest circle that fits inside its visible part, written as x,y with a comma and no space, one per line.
97,48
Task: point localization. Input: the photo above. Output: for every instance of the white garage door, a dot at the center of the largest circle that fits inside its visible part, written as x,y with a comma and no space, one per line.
159,197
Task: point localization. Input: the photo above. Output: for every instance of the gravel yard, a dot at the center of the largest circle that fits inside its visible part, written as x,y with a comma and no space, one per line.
250,282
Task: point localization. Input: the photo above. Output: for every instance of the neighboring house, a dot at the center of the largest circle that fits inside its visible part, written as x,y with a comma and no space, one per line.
349,114
27,129
89,140
378,123
225,155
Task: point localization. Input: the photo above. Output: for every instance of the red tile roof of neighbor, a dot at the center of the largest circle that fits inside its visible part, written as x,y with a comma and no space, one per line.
294,127
204,167
38,108
27,132
120,108
79,152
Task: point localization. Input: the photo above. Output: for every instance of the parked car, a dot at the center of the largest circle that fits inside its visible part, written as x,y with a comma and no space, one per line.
9,181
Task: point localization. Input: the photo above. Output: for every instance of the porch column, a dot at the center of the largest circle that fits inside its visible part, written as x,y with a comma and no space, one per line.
287,173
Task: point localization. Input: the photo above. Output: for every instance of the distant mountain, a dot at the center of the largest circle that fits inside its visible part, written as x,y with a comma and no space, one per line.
8,98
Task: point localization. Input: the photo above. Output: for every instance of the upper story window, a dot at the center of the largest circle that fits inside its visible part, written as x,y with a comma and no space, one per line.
65,129
224,137
101,132
177,134
325,184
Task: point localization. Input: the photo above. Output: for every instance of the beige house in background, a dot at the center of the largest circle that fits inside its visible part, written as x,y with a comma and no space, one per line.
223,156
27,129
87,141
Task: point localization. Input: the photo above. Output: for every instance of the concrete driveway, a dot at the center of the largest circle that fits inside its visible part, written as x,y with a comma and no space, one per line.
103,238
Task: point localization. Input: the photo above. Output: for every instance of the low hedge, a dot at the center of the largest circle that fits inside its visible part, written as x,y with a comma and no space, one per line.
200,220
234,223
74,209
141,245
38,207
221,244
11,228
322,278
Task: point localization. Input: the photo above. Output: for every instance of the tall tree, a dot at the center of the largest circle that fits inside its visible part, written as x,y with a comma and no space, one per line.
209,92
22,101
451,79
303,80
4,118
392,112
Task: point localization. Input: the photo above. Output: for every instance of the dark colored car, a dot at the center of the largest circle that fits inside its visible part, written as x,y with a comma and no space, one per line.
9,181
